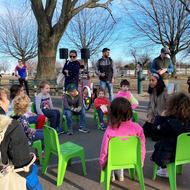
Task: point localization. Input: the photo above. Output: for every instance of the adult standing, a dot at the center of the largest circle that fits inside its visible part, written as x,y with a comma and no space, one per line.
71,69
163,65
22,72
105,69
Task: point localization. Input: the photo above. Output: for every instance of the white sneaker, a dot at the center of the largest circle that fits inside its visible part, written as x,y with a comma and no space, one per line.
162,172
112,177
119,174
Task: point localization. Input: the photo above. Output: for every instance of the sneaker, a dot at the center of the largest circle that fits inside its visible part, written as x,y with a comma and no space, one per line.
162,172
102,127
60,131
84,130
119,174
70,132
112,177
121,178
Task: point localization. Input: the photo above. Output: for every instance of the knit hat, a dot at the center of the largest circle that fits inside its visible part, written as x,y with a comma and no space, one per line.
71,87
165,50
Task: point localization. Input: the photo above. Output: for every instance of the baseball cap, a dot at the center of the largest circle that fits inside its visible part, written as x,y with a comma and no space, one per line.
165,50
71,87
105,49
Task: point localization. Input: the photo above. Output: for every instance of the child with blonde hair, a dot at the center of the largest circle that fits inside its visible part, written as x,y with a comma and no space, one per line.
20,106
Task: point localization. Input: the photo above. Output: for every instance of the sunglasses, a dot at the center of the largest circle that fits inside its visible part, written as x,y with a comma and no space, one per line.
72,56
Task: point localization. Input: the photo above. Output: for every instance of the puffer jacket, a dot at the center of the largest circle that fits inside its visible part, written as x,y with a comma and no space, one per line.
166,129
14,143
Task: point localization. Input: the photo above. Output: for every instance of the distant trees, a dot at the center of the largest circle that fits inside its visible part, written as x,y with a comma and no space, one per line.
18,35
51,28
4,66
164,22
90,29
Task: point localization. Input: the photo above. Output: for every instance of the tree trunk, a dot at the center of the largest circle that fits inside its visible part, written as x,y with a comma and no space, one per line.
47,48
173,58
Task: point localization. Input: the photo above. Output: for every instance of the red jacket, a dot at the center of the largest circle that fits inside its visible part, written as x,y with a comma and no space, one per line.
101,101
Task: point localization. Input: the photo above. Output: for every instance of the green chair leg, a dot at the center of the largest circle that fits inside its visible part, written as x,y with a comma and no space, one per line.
102,176
62,165
132,173
179,169
107,181
140,177
172,175
83,164
64,123
46,161
155,168
38,146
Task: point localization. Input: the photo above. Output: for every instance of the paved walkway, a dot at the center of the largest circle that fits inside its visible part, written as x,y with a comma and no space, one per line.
74,180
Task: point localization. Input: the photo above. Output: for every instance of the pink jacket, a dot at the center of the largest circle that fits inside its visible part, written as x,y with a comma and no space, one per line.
127,128
129,96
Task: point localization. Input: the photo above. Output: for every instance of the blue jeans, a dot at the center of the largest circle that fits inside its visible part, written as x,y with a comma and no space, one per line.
53,116
100,115
39,135
69,114
32,119
109,85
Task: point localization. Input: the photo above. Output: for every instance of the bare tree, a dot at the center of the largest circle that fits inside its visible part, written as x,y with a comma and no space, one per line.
51,30
18,36
164,22
90,29
186,3
4,66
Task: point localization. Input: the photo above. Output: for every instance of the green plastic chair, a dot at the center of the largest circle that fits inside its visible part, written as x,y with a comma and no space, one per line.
135,117
123,153
64,119
182,157
37,145
65,153
96,118
33,107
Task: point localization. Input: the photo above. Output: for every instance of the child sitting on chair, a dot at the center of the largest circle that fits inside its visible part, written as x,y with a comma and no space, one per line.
101,104
73,105
33,118
175,120
126,93
120,124
44,106
20,106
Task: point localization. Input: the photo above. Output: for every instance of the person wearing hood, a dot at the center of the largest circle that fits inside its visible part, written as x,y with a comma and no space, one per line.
14,146
14,143
73,105
174,121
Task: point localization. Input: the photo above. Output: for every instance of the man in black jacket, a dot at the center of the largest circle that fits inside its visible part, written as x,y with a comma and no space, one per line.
105,70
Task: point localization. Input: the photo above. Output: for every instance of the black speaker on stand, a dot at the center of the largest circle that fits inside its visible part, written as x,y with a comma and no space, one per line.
63,53
85,55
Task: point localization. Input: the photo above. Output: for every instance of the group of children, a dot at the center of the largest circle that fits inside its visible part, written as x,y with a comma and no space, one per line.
168,116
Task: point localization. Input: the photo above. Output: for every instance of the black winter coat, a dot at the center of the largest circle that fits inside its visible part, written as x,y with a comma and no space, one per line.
14,146
167,129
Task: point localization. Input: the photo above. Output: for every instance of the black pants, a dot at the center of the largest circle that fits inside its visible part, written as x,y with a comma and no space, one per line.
24,82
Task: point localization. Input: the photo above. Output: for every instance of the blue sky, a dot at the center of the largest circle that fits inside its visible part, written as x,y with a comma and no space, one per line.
119,44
